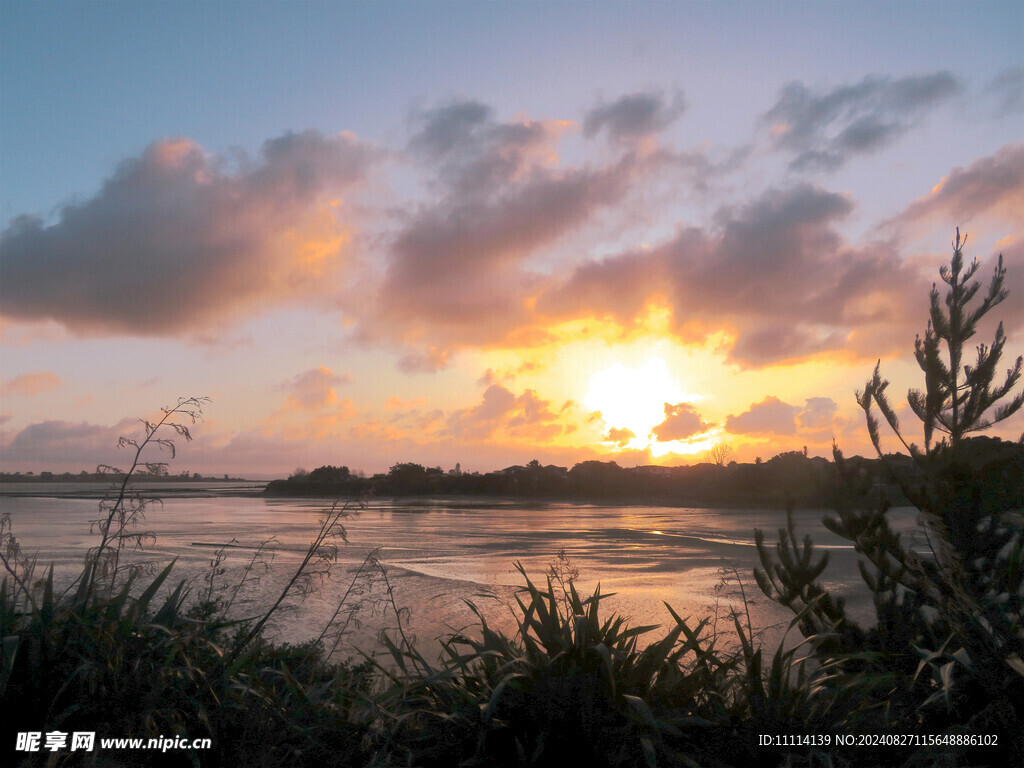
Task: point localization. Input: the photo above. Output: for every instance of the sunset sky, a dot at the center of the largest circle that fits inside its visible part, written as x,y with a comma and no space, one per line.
488,233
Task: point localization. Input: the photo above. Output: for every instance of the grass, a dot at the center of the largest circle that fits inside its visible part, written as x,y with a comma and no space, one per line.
568,686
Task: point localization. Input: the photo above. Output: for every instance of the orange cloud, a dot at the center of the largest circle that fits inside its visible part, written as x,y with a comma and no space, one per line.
816,421
682,421
320,426
500,417
398,404
775,272
28,384
314,389
991,185
176,242
620,437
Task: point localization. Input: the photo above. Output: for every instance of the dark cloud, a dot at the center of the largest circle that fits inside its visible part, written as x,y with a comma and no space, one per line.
460,265
473,153
177,241
993,184
771,251
617,285
775,343
1008,89
60,442
448,128
775,271
633,116
824,129
456,272
424,361
682,420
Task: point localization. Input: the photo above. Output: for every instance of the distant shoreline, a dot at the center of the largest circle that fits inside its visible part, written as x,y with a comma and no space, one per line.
98,477
148,487
531,502
787,480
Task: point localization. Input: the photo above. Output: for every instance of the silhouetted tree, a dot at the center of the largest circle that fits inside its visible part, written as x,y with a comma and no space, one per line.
949,638
953,403
719,453
329,474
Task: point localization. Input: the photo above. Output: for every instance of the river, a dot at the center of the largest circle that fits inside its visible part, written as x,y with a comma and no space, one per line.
438,553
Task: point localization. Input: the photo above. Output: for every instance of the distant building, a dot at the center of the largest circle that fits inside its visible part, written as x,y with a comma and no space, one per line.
653,469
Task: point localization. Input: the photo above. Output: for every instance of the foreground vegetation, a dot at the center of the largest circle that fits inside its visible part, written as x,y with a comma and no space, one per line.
940,673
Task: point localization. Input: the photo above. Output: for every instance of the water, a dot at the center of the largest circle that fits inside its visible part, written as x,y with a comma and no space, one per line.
439,553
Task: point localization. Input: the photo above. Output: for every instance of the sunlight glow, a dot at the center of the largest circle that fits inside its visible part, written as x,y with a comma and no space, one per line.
634,398
691,447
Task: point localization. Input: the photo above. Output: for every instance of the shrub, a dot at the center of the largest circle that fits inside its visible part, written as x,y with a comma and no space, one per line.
944,655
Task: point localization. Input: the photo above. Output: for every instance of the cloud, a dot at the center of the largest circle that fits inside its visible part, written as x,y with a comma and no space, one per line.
770,416
633,116
775,272
314,389
776,343
425,361
55,442
325,437
824,129
989,185
989,192
459,266
1011,311
533,410
619,436
178,240
312,409
456,273
27,384
681,421
818,413
503,415
491,376
1008,89
618,285
483,419
398,404
448,128
473,153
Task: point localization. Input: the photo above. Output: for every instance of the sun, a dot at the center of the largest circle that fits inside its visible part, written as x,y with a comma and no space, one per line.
633,398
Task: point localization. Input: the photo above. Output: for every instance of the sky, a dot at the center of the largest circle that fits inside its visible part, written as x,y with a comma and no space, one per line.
481,234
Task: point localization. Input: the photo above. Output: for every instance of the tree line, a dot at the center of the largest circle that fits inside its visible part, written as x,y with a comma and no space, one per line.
790,478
